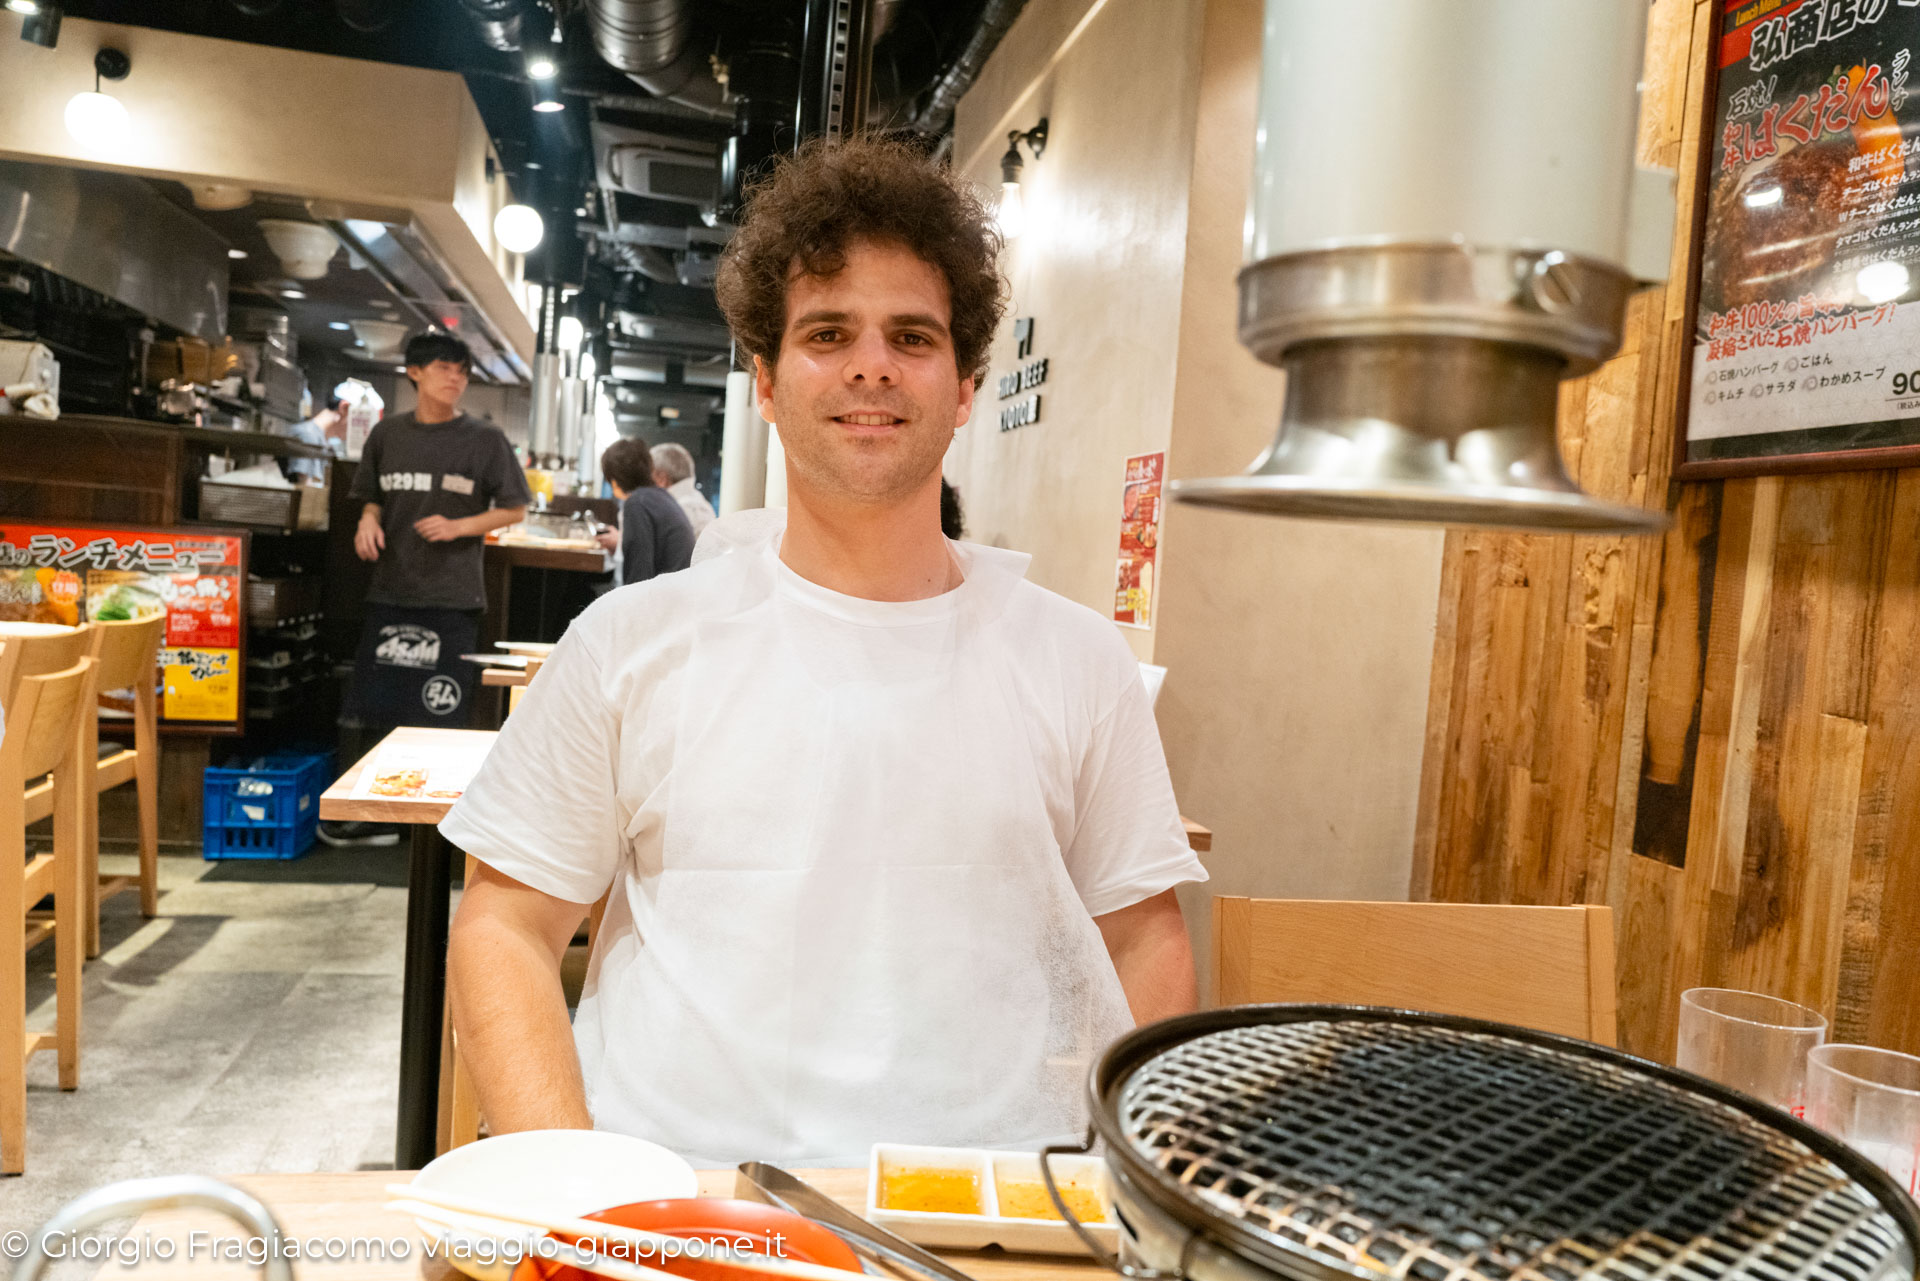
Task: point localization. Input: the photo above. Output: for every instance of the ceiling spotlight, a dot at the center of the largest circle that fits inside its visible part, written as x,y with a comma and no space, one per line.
42,21
236,254
338,324
1011,212
519,228
546,96
541,67
295,294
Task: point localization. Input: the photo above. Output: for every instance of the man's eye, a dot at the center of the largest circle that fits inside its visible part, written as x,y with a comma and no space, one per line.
826,335
921,339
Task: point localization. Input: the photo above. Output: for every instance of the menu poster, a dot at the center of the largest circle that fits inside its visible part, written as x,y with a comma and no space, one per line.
1139,539
70,574
1806,350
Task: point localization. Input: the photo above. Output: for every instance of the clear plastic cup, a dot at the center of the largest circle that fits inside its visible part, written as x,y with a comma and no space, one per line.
1756,1044
1869,1098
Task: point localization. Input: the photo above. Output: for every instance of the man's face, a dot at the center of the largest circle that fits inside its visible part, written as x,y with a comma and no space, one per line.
444,380
865,390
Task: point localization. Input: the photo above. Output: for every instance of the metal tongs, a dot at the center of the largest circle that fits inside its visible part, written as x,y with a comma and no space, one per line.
759,1181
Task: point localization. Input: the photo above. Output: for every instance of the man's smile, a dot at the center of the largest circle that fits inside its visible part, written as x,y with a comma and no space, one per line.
869,420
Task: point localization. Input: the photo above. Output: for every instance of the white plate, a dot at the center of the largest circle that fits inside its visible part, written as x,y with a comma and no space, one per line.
977,1231
562,1173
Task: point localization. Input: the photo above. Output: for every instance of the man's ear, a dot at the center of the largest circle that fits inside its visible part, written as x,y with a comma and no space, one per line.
964,411
763,387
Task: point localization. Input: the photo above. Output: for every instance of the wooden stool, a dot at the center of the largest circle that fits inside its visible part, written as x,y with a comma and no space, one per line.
47,720
126,655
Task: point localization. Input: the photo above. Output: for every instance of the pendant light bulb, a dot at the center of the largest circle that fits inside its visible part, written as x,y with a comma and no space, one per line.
519,228
99,123
1011,213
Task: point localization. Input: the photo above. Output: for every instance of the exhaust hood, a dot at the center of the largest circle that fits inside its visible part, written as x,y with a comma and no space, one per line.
1432,247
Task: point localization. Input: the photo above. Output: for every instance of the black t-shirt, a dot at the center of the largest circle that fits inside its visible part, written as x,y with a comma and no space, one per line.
655,535
413,470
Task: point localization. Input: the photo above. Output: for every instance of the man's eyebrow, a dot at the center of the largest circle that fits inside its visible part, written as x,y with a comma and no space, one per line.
919,320
821,317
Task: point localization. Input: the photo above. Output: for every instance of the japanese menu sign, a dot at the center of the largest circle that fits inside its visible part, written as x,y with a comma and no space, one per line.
1806,345
1139,539
71,574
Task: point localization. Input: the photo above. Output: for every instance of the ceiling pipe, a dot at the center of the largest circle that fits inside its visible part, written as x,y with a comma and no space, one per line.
501,23
649,41
995,19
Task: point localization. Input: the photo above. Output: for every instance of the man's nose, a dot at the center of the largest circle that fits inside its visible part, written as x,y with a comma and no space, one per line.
872,359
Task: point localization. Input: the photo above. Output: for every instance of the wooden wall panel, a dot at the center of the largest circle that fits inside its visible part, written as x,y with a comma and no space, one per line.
1716,732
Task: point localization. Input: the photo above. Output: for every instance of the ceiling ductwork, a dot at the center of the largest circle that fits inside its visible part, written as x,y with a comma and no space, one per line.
501,23
649,41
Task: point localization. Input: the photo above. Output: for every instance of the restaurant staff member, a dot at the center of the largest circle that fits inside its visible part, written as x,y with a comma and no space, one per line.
431,483
888,829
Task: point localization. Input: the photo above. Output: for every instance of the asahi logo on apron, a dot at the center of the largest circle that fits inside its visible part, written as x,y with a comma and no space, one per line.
440,695
408,645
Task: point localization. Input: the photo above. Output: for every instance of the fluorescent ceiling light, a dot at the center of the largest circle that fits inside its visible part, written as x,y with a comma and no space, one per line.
236,254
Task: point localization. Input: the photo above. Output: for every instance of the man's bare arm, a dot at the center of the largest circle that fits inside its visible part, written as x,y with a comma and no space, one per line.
503,973
1153,955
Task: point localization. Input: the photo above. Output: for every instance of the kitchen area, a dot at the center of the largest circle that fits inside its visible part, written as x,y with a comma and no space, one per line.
1404,770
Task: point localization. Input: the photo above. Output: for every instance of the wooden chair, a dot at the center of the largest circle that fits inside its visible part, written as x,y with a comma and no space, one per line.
46,728
24,656
125,655
1549,968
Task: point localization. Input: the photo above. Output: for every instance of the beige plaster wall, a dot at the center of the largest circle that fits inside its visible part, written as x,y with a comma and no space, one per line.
1298,651
1098,270
366,134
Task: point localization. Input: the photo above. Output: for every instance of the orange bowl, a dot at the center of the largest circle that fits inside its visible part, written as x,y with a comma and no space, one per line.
744,1224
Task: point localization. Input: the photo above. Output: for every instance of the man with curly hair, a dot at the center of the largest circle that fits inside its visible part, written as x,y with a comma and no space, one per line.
888,832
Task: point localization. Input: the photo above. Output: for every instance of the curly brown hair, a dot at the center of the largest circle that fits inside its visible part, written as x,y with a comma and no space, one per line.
827,196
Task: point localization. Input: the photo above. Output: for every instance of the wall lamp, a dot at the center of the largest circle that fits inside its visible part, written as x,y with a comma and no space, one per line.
98,121
1011,213
40,21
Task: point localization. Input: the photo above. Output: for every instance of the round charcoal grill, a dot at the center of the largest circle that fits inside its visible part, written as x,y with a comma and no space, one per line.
1325,1143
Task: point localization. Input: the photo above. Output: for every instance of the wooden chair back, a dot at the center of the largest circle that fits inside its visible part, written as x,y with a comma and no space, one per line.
1550,968
43,723
23,656
127,652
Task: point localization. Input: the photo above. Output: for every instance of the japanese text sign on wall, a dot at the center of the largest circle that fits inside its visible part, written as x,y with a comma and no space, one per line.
73,574
1139,539
1806,345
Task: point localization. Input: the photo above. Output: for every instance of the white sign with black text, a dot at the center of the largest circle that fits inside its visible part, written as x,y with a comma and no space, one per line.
1030,373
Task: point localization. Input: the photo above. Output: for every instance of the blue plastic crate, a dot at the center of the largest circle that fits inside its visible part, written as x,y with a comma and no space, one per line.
267,808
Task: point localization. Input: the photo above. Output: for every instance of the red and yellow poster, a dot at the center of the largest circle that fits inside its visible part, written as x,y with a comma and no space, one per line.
1139,539
71,574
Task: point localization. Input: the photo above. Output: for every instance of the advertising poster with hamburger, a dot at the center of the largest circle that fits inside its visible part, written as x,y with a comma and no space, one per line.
1807,332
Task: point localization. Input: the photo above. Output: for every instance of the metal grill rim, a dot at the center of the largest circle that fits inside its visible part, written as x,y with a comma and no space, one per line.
1726,1191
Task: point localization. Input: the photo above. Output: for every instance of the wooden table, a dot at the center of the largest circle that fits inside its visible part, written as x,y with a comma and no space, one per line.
428,890
322,1207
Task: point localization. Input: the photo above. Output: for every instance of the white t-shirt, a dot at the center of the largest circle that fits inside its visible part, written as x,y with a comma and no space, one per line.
856,850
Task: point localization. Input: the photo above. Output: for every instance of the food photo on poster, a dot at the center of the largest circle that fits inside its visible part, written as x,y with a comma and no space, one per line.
1806,339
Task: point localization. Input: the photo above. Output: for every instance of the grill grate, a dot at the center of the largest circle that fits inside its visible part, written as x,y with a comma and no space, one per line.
1427,1152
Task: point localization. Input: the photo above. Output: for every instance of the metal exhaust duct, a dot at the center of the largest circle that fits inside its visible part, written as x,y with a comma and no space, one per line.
1429,255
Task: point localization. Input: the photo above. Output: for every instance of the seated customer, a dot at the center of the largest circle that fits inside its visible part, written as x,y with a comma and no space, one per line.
654,536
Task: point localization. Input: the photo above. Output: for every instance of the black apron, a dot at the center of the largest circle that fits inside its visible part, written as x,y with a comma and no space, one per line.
409,670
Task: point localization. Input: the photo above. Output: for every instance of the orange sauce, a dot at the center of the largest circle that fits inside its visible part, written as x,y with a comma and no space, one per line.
1028,1200
928,1190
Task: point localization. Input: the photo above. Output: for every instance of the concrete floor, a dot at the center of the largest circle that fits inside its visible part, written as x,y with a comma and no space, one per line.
252,1026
